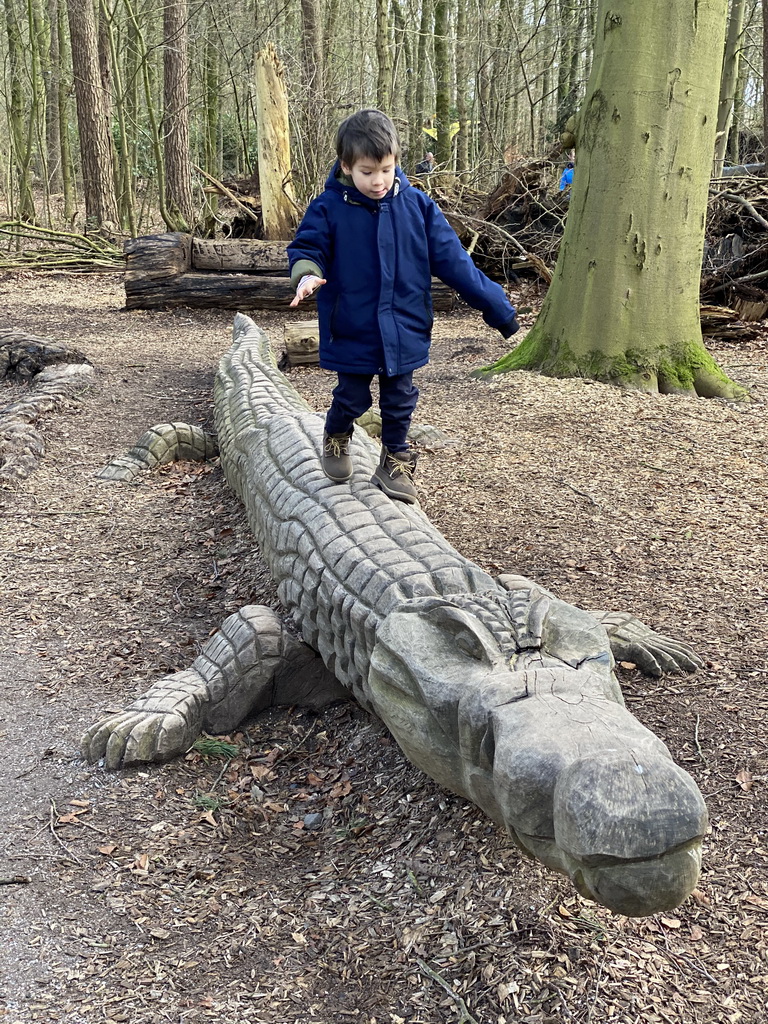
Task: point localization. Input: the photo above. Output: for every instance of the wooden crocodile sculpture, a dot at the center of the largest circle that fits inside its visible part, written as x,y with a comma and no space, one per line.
495,688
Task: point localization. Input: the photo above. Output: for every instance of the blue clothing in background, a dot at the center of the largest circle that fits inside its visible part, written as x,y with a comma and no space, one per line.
566,178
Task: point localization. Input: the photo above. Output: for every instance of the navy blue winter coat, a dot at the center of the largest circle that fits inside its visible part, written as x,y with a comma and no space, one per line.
378,257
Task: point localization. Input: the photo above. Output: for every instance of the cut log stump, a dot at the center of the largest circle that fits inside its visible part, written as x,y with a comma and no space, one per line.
302,343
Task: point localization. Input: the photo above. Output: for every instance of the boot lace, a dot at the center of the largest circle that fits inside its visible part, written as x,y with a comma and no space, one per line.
405,467
336,445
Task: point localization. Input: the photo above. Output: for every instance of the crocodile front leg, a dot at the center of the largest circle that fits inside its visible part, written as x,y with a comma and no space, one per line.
253,662
652,652
630,639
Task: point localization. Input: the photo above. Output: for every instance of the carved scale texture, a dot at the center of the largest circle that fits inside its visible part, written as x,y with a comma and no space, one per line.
166,442
343,555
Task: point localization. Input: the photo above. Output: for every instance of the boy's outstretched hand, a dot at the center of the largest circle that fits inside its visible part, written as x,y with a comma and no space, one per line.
308,284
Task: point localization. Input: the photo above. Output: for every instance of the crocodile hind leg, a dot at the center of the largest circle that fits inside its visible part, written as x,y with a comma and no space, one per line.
253,662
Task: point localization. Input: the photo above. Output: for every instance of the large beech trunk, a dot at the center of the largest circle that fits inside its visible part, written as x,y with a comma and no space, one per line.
623,306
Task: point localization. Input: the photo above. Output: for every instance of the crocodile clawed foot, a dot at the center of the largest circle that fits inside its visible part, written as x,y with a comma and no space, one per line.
157,727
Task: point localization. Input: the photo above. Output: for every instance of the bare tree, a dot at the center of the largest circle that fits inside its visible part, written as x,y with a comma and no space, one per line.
175,126
95,148
729,80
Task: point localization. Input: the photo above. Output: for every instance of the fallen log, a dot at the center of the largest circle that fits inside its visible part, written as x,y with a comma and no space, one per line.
173,269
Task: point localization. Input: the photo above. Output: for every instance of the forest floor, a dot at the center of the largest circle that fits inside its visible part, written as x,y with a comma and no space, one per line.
199,890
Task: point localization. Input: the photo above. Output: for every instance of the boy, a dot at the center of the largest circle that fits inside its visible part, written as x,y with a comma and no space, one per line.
371,243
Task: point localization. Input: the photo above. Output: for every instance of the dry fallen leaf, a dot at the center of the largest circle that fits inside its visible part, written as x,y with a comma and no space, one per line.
745,780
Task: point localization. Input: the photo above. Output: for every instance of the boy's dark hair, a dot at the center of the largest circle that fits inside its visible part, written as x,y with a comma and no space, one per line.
367,134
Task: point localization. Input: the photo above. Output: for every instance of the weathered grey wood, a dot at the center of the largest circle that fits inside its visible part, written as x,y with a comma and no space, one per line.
166,271
21,443
496,689
231,255
199,290
166,442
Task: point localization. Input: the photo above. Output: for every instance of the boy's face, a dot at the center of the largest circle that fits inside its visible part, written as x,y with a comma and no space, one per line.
374,178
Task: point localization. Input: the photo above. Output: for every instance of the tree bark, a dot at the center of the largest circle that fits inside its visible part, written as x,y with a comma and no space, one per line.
95,145
21,128
624,303
383,56
422,71
175,126
312,50
728,83
52,72
164,271
462,88
278,209
442,86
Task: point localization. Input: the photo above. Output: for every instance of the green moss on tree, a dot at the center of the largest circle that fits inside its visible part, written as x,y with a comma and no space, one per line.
686,368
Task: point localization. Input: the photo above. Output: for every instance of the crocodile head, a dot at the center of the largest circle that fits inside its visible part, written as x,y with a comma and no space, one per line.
521,713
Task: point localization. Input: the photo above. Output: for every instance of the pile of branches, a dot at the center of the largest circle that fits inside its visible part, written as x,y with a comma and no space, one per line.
25,246
735,269
514,230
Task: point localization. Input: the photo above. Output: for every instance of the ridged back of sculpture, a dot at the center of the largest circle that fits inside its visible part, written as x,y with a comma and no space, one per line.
343,555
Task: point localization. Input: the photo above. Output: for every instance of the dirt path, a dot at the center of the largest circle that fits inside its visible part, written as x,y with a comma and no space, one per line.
306,873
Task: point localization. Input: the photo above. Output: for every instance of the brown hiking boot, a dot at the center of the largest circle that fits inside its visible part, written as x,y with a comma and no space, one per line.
394,475
337,465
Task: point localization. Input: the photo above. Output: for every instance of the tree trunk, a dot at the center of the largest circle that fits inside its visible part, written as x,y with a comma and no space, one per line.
312,51
175,126
20,128
462,88
67,170
442,86
409,137
278,209
95,146
623,306
728,82
422,71
383,56
52,72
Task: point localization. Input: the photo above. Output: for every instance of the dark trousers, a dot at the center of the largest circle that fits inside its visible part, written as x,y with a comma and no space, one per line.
397,400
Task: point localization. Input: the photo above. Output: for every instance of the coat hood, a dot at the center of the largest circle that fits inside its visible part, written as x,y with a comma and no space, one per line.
339,182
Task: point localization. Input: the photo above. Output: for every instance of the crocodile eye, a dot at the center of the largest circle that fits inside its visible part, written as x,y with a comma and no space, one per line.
470,644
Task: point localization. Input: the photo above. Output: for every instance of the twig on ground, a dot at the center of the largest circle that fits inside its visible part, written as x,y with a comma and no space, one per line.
696,741
52,827
465,1016
590,499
